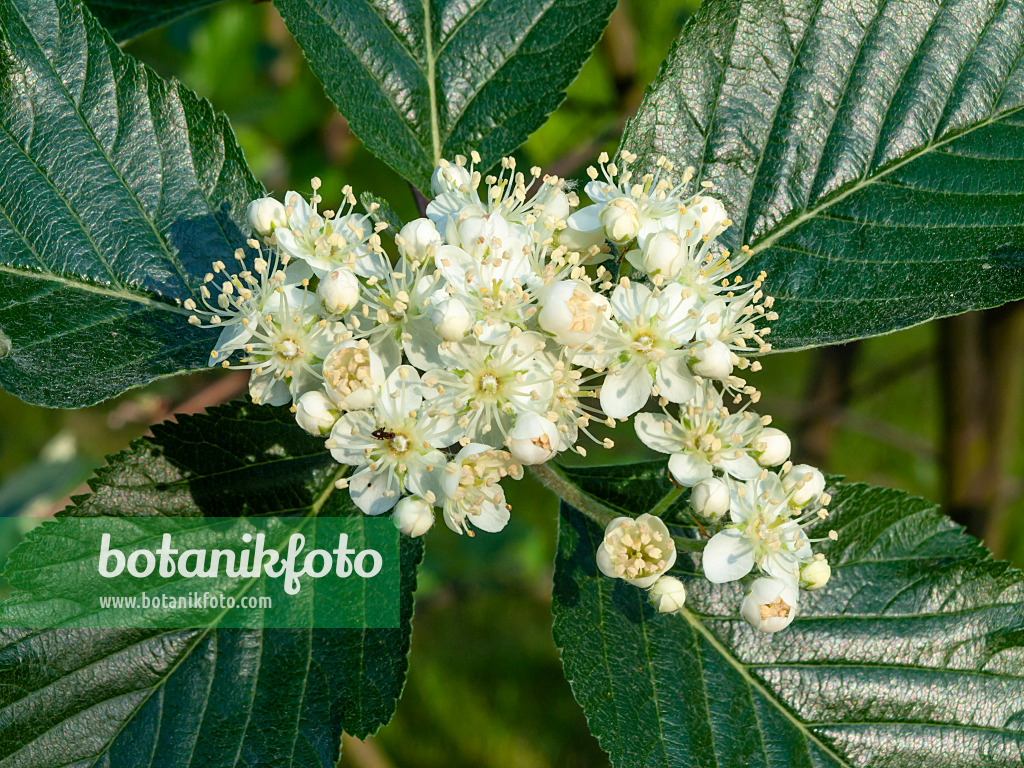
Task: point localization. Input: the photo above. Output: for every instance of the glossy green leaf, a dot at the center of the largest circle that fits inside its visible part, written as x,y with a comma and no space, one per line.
871,154
911,657
423,79
180,698
125,19
119,190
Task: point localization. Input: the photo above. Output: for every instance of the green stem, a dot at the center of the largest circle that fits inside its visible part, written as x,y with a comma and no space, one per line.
552,478
689,545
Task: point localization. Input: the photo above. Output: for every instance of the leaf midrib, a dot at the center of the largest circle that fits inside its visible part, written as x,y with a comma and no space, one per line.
138,298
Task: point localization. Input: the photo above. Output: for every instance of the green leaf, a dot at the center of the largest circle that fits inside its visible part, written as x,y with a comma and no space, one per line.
423,79
870,154
125,19
205,697
119,191
911,657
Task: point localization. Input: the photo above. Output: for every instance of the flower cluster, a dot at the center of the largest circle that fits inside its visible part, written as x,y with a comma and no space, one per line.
499,330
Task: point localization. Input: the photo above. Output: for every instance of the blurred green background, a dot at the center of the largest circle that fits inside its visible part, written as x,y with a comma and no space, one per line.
933,410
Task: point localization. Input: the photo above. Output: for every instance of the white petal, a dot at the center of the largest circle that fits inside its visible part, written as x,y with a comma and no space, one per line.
675,382
651,429
626,391
268,390
492,517
727,556
689,468
374,492
630,301
742,468
419,479
604,562
350,448
586,219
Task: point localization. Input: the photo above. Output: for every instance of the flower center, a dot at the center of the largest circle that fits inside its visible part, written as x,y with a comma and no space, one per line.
779,609
645,341
489,384
289,349
399,443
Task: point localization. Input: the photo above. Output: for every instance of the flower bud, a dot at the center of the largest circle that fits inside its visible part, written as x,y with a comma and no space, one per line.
413,516
712,361
450,179
556,205
663,254
316,413
710,498
770,605
621,220
339,291
419,240
265,215
808,483
451,319
668,595
772,447
533,439
815,574
571,312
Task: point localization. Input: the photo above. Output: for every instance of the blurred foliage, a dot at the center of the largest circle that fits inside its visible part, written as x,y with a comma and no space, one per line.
485,687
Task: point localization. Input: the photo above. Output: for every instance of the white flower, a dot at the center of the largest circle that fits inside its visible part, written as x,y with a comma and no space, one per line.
345,239
761,535
805,483
571,312
451,178
533,439
339,291
486,386
815,574
625,209
668,595
472,489
394,316
710,498
419,240
712,360
395,445
316,413
353,375
644,348
285,349
413,516
770,605
636,551
771,447
704,438
264,215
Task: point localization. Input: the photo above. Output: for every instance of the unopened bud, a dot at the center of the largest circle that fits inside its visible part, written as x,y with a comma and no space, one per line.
668,595
710,498
417,238
663,254
815,574
451,319
772,447
621,220
449,179
265,215
339,291
413,516
712,362
316,413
